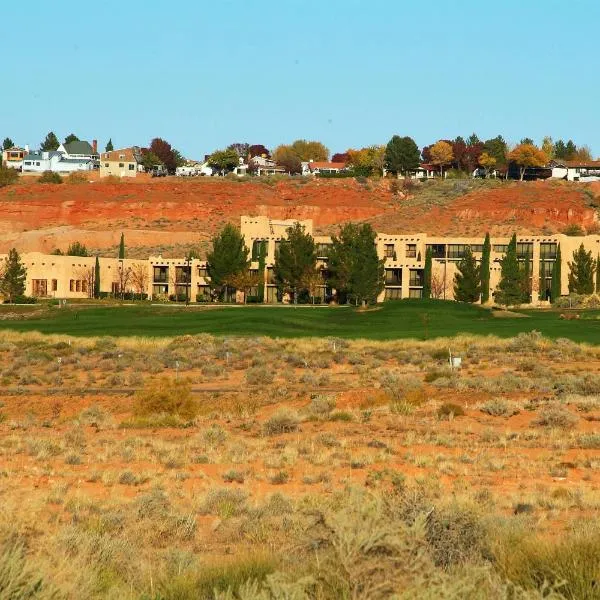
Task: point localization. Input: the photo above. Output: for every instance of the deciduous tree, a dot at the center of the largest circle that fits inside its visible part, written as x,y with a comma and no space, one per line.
228,257
295,260
224,160
150,160
548,147
598,273
240,148
487,161
582,271
50,143
140,278
258,150
526,156
340,157
401,155
165,153
467,280
441,154
367,161
14,274
286,157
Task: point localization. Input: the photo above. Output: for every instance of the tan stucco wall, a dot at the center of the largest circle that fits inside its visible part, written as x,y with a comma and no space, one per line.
114,169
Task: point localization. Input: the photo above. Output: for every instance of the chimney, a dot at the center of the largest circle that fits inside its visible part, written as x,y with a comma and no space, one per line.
95,146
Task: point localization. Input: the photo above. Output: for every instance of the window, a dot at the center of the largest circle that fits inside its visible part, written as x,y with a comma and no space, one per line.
161,274
457,251
115,287
546,268
270,275
393,276
84,285
524,249
547,250
72,285
389,251
277,244
37,164
202,272
39,287
106,165
416,277
182,274
500,248
415,293
54,285
411,250
78,285
121,156
157,290
258,247
477,248
437,250
272,295
121,165
323,251
131,167
393,293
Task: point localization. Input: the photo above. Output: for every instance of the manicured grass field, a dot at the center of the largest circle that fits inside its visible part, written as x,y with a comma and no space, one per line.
400,319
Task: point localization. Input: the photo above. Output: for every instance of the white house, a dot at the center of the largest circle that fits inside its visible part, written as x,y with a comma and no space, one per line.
572,170
266,166
322,167
80,149
38,162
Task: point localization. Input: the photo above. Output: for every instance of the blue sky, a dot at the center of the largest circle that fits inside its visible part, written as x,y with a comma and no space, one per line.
349,73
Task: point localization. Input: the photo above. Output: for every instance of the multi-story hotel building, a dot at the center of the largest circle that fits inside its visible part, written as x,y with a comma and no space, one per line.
404,254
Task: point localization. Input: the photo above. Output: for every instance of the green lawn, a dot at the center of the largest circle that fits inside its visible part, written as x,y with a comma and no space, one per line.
401,319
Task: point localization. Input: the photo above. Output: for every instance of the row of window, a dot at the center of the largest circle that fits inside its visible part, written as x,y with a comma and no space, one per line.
131,166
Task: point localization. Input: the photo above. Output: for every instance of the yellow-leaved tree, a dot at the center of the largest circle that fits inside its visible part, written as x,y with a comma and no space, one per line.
527,155
441,155
487,162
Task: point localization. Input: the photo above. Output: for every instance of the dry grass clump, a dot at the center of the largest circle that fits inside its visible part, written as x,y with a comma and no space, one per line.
556,416
283,420
165,396
321,405
498,407
449,410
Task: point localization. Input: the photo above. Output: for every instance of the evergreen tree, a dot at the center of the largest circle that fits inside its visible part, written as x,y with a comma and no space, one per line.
401,155
228,258
97,278
12,284
109,146
71,138
526,281
427,275
485,269
295,261
7,143
581,275
77,249
510,288
262,259
467,280
122,247
356,272
555,285
50,143
598,274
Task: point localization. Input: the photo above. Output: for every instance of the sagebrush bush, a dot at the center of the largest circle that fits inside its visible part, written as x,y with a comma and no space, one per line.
282,421
50,177
165,396
8,176
259,376
498,408
321,405
448,410
555,416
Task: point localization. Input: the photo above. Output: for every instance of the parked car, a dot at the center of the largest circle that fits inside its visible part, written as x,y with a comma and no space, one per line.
186,171
158,172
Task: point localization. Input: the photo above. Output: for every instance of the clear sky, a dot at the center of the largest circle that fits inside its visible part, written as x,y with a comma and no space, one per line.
203,74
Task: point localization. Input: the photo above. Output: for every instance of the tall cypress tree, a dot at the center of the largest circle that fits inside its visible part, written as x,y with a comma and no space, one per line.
122,247
427,275
526,281
467,280
510,288
555,285
485,269
582,270
12,284
97,278
598,274
109,146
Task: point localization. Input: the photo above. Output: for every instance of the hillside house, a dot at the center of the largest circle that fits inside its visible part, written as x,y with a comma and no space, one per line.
322,167
12,158
80,149
576,170
40,161
125,162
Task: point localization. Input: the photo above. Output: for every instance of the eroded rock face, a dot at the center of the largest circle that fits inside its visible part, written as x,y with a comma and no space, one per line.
35,217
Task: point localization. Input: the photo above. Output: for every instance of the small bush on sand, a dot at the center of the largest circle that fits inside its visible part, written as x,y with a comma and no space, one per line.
8,176
448,410
499,408
282,421
164,396
50,177
555,416
258,376
77,178
225,502
322,405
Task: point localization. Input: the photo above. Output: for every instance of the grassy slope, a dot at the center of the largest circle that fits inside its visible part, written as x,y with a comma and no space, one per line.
402,319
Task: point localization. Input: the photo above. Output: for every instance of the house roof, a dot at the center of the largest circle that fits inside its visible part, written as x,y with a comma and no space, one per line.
574,164
326,165
122,154
79,147
14,149
39,155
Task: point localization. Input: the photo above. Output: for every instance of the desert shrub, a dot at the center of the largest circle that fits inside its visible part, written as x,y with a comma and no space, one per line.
77,178
279,478
225,502
498,408
258,376
233,476
8,176
164,396
449,410
589,440
214,436
341,415
321,405
282,421
398,384
50,177
555,416
573,230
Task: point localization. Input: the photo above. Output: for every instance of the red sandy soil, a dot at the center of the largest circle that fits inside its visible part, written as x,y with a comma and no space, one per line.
164,213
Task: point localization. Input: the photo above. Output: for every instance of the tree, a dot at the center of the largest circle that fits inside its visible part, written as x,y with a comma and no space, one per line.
150,160
109,146
510,288
527,141
310,150
340,157
71,138
555,284
548,147
570,150
487,161
598,273
140,278
472,154
485,269
441,154
427,274
313,282
165,153
14,274
497,148
438,286
367,161
526,281
582,270
245,281
50,143
87,276
228,258
7,143
295,260
401,155
467,280
583,154
97,278
122,247
224,160
286,157
356,272
240,148
527,155
77,249
560,149
258,150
